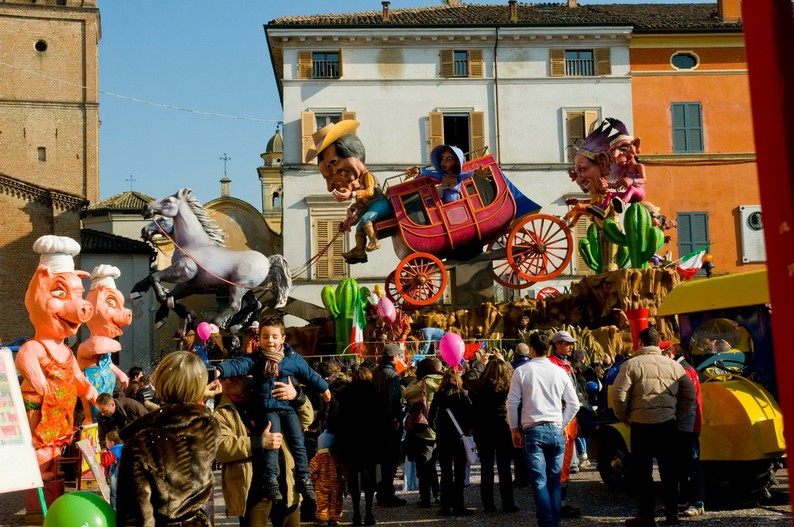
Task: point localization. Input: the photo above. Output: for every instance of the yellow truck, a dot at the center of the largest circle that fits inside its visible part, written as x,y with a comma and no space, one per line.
725,332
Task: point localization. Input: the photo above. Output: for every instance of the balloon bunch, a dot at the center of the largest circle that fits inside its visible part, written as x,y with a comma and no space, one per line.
204,330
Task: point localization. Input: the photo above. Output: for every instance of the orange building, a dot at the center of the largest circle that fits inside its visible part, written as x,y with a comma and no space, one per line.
691,106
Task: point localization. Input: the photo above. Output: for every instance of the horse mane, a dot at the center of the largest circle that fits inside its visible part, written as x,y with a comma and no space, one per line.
208,224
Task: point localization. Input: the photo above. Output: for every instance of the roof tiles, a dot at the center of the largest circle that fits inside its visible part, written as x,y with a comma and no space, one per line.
643,17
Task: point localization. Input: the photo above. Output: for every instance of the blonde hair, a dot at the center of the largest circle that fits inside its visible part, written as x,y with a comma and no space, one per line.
180,377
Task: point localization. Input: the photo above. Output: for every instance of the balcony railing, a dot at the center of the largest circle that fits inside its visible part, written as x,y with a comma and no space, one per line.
579,67
325,69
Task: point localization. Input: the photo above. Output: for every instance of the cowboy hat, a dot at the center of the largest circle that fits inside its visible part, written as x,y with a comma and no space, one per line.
327,135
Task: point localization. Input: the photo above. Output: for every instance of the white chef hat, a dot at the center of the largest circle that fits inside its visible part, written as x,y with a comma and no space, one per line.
57,253
104,274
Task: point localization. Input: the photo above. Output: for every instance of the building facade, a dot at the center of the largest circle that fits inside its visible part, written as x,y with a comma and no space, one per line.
480,77
49,124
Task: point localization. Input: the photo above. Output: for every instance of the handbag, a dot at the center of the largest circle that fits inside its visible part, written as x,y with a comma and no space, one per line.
468,442
417,418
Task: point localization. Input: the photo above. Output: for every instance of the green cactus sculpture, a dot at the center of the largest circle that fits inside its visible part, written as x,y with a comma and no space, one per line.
640,237
590,249
346,305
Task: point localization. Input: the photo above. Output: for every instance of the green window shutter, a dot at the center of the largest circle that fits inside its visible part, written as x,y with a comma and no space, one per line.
687,120
695,127
693,231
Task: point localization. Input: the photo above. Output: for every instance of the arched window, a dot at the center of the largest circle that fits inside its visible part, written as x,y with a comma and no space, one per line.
276,199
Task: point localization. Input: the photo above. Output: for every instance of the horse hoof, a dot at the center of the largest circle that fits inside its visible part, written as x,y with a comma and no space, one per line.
135,296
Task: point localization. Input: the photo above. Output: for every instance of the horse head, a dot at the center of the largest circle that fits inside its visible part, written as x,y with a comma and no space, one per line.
168,206
159,227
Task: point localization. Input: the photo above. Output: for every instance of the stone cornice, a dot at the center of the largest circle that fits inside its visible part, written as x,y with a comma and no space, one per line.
59,200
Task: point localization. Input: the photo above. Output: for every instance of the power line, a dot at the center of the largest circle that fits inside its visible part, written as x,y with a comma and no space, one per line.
141,101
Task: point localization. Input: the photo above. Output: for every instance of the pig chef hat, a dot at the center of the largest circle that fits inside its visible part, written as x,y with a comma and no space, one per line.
104,275
57,254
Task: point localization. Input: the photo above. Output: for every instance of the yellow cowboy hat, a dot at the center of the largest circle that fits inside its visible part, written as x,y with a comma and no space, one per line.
325,136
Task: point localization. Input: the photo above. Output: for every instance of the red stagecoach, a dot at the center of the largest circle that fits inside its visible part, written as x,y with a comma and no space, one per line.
527,248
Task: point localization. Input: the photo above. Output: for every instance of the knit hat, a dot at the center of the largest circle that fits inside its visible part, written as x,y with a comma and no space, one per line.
325,440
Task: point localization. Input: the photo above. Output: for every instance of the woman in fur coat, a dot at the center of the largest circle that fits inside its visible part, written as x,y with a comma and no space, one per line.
165,474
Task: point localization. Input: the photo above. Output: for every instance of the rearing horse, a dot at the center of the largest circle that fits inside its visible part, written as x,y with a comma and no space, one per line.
201,264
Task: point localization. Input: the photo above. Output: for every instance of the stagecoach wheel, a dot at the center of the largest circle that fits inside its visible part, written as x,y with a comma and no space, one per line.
394,295
540,247
420,279
503,272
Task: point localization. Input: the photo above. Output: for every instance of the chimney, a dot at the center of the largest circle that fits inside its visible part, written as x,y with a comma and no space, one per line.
453,2
226,187
729,10
573,3
385,11
513,10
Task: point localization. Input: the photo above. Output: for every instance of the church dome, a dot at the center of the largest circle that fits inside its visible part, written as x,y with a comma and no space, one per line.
276,144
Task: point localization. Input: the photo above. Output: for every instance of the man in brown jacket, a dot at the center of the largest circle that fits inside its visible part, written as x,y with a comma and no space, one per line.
650,393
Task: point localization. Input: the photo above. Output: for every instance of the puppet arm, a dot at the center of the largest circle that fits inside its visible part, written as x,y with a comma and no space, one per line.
84,388
28,363
120,375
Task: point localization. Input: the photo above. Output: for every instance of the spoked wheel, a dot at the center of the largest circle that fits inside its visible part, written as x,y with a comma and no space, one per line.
503,272
394,295
540,247
420,279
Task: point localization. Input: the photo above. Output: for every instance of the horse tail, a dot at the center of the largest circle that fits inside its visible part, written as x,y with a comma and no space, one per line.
280,277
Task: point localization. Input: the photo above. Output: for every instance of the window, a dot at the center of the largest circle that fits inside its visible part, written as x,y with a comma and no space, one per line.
580,62
331,265
312,121
687,127
684,60
42,153
320,64
461,63
466,130
578,123
324,119
693,232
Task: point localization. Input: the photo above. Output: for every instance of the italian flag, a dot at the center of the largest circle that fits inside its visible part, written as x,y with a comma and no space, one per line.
690,264
357,332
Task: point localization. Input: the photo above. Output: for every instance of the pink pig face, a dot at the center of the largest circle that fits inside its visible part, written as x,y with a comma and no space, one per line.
55,304
110,315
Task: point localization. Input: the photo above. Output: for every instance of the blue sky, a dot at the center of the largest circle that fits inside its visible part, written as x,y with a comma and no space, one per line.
189,62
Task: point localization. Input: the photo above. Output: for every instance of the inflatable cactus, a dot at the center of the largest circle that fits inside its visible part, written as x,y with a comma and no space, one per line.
591,251
346,305
641,238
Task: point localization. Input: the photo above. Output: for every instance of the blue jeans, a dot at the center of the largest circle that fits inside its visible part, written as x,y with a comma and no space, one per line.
544,449
287,422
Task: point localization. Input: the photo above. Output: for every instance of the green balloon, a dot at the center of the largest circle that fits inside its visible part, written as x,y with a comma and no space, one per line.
80,509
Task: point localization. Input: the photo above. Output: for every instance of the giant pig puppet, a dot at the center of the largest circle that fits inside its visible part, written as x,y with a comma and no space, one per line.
51,376
110,315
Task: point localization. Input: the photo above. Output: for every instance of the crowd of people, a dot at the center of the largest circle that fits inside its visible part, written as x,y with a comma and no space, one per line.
291,438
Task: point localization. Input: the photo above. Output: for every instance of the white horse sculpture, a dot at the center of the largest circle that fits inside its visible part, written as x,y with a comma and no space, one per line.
201,264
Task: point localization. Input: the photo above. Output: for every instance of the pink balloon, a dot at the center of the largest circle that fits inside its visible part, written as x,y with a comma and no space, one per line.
451,348
203,330
386,310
